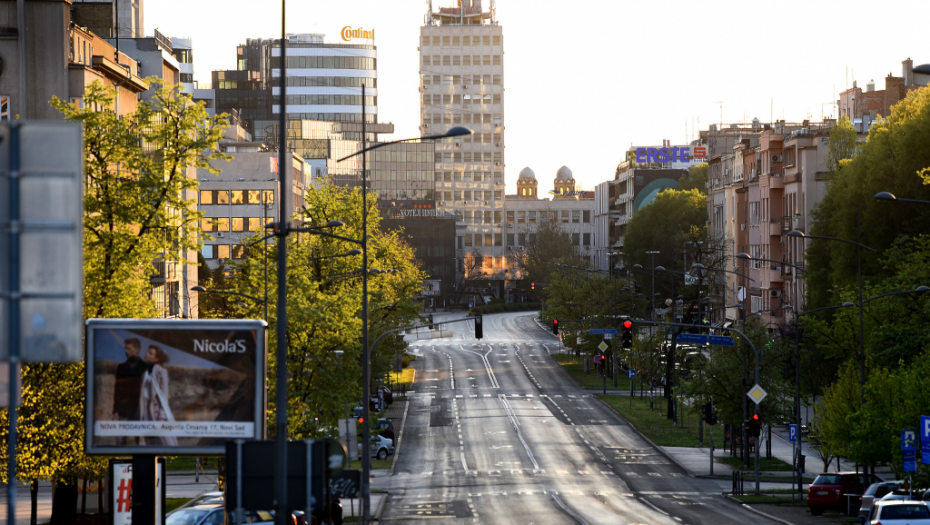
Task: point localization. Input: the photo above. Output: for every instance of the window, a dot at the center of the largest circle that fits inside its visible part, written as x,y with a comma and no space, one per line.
487,217
564,215
521,217
510,239
268,195
446,60
497,217
238,251
206,197
254,196
586,216
486,60
498,239
575,215
488,239
222,224
521,239
206,225
237,197
222,197
576,239
531,217
207,251
510,217
222,251
467,239
497,60
425,41
497,40
255,224
238,224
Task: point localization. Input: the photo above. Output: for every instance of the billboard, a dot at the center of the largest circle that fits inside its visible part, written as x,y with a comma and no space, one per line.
172,387
431,287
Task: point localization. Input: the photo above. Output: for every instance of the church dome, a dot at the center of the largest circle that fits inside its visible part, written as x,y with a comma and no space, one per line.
564,174
527,174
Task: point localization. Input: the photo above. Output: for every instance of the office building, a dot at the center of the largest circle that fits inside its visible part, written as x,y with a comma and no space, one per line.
183,51
462,84
111,18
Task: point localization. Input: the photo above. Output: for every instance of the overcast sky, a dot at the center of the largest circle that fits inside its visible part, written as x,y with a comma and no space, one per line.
587,78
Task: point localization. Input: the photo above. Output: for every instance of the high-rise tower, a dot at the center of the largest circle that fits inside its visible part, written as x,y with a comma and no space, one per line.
462,84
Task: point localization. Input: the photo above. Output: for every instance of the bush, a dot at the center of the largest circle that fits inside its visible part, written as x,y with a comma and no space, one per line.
405,361
505,307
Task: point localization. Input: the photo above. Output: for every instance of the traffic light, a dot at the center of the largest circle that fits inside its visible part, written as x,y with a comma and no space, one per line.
533,287
479,330
754,428
627,334
555,327
709,417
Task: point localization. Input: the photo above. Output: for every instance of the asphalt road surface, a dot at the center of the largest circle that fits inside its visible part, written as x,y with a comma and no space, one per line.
497,432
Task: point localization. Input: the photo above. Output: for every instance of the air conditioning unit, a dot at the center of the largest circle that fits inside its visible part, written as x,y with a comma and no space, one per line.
497,163
464,86
509,225
219,234
777,158
774,293
425,125
498,144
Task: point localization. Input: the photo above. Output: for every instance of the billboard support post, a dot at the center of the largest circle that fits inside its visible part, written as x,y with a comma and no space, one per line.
14,306
144,490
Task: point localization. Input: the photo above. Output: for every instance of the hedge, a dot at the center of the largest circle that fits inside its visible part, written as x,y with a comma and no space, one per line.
505,307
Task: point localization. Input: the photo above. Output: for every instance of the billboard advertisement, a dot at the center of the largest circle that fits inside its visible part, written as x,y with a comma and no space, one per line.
173,386
431,287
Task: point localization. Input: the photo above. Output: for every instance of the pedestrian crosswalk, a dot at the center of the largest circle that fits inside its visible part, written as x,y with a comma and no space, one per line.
698,498
538,472
510,396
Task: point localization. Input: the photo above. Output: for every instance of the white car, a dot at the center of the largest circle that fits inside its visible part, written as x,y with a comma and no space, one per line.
381,447
899,511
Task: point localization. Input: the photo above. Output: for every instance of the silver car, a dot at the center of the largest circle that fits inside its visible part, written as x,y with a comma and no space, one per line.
381,447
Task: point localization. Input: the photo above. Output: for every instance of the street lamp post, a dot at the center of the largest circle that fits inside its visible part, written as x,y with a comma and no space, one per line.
886,196
859,247
366,358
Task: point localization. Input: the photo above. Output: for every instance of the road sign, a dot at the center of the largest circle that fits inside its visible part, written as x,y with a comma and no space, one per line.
910,461
631,373
698,339
602,347
578,340
602,331
598,358
925,440
720,340
608,335
757,394
792,433
909,439
50,289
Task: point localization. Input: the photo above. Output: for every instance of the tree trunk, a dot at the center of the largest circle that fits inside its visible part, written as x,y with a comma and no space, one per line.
34,496
64,503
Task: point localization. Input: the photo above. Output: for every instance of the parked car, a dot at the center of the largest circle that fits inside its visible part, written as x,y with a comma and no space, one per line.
204,499
386,394
334,517
910,512
214,514
830,489
386,428
381,447
903,494
875,492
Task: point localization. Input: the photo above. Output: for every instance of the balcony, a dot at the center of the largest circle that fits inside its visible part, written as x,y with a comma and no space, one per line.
776,181
775,228
799,222
786,224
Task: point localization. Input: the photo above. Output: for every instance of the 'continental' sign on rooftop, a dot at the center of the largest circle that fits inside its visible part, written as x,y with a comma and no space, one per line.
348,33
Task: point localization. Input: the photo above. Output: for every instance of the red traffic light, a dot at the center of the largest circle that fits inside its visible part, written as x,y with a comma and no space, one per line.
361,420
555,321
628,324
755,417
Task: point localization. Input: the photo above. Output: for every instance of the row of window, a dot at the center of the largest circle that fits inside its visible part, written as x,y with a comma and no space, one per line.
459,80
468,156
464,118
223,251
391,194
487,263
480,239
567,216
520,239
465,40
402,155
462,60
402,176
331,82
470,176
467,99
236,224
479,217
332,117
470,195
324,100
326,62
236,196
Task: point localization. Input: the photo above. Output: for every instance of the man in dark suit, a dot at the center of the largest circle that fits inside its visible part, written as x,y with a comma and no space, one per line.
128,383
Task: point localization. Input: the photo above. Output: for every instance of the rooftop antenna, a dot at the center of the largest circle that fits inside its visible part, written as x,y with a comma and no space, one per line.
721,112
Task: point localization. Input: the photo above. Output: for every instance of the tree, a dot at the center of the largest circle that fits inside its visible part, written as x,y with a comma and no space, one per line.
894,158
843,144
138,208
548,243
695,179
324,300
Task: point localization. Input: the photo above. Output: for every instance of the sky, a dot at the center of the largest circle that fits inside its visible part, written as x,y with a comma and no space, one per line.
586,79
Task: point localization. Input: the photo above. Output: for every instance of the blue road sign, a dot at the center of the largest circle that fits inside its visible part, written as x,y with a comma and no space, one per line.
602,331
597,358
720,340
631,373
910,461
925,440
792,433
699,339
909,439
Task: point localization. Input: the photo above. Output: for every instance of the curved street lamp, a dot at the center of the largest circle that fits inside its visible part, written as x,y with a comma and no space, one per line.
886,196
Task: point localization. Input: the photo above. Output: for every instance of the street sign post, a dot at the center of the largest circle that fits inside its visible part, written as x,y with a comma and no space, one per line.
697,339
910,461
792,433
925,440
608,335
909,439
631,373
602,347
720,340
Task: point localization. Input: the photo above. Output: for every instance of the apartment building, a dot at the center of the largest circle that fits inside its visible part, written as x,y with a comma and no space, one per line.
462,84
864,107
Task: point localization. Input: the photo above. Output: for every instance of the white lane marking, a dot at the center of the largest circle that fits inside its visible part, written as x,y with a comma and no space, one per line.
568,510
487,365
516,426
464,465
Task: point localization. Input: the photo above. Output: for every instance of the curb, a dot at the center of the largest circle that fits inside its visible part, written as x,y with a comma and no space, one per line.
383,503
647,440
400,435
750,508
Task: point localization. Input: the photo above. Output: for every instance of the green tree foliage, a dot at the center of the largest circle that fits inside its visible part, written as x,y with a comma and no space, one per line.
695,179
895,159
139,206
548,244
324,298
843,144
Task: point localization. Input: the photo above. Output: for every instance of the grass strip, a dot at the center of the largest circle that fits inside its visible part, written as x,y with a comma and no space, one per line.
661,430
